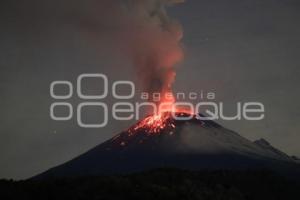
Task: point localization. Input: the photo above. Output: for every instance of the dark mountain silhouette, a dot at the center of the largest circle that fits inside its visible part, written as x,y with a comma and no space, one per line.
191,144
158,184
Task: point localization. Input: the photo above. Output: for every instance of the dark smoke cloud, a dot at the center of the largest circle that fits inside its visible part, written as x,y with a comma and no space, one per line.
147,35
140,29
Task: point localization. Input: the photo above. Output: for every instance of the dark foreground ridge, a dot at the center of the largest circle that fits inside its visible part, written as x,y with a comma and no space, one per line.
158,184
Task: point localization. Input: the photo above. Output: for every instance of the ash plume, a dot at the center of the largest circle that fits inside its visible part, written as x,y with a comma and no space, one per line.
146,34
156,44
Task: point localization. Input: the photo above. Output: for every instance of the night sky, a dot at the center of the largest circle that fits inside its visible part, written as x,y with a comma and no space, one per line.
243,50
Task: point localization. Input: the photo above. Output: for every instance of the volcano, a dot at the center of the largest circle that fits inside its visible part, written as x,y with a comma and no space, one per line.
166,142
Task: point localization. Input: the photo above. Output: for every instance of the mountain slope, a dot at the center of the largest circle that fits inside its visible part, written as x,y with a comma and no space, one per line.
191,144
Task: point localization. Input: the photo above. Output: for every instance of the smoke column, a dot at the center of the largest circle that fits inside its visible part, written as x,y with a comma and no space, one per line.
155,44
146,35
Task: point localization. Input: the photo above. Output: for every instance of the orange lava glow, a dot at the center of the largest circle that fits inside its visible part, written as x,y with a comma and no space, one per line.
163,119
155,123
